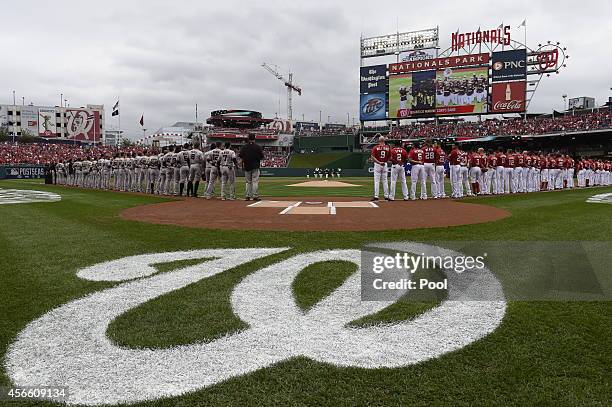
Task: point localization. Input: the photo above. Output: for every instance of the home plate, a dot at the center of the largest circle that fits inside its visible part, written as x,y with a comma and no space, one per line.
309,210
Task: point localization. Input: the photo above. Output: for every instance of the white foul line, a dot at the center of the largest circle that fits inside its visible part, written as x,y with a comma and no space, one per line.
256,203
287,209
373,204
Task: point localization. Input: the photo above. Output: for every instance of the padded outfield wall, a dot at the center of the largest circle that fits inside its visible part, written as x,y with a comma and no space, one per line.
320,144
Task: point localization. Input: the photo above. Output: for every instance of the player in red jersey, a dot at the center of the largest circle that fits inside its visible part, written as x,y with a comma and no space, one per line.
490,177
455,171
502,180
464,182
380,155
399,158
511,173
417,174
476,164
570,164
429,166
543,173
440,171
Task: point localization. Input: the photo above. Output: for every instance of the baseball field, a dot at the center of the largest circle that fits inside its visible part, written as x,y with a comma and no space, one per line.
142,330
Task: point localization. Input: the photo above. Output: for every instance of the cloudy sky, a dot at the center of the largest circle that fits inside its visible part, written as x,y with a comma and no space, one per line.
162,57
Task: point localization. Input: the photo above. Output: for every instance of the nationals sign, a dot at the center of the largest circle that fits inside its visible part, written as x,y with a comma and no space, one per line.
508,97
439,63
83,125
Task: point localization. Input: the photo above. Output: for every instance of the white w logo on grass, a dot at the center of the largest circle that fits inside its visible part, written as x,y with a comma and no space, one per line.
68,346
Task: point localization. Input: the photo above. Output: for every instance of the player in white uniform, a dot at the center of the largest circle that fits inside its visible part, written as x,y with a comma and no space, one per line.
227,163
213,159
167,172
153,173
208,166
196,159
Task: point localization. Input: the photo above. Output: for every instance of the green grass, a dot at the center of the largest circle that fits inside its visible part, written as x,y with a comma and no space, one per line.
315,160
544,352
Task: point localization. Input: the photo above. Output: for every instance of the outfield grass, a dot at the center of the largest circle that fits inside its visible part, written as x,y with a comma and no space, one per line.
544,352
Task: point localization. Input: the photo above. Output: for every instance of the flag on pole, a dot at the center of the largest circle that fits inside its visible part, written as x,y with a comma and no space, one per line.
523,24
115,109
142,120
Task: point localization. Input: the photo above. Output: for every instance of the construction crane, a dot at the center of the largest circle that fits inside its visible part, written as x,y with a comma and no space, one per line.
291,87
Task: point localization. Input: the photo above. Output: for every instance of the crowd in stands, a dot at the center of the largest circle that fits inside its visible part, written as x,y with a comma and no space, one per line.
351,131
494,127
46,153
274,158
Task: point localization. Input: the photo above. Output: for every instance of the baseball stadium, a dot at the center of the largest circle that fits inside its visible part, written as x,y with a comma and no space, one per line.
452,248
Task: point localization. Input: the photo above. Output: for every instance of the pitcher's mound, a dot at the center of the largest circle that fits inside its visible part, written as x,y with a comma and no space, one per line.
323,184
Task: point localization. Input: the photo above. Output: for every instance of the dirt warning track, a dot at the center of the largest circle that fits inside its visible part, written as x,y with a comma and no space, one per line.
314,214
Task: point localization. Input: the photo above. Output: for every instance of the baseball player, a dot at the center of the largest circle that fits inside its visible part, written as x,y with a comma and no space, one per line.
475,162
196,159
153,172
380,155
183,163
399,158
208,165
215,171
455,171
227,163
417,173
440,171
429,169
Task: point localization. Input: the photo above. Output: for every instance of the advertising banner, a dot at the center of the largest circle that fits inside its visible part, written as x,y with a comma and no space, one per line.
82,125
306,126
508,97
418,54
29,120
373,79
400,96
46,122
462,91
509,65
439,63
373,107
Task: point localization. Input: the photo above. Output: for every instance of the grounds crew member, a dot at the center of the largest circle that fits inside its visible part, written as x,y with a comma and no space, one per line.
251,155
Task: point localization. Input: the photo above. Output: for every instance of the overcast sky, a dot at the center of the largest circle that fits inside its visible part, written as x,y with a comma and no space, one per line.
162,57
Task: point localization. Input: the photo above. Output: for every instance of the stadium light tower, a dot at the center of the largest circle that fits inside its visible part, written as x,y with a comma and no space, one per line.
291,87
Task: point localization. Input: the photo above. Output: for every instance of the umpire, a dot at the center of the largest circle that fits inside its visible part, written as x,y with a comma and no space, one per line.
251,155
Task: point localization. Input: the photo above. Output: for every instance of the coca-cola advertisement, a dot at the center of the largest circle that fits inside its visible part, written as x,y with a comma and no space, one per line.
508,97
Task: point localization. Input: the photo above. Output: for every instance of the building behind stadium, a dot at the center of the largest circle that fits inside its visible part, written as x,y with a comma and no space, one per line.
82,124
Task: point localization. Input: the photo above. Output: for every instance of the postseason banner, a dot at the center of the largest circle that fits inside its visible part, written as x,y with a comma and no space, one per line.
462,91
373,107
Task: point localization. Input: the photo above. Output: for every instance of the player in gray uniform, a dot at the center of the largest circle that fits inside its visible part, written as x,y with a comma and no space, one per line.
196,159
171,163
213,159
227,163
153,173
78,173
183,164
208,165
176,167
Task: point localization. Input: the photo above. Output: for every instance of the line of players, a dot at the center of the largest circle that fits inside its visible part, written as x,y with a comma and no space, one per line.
480,173
163,173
